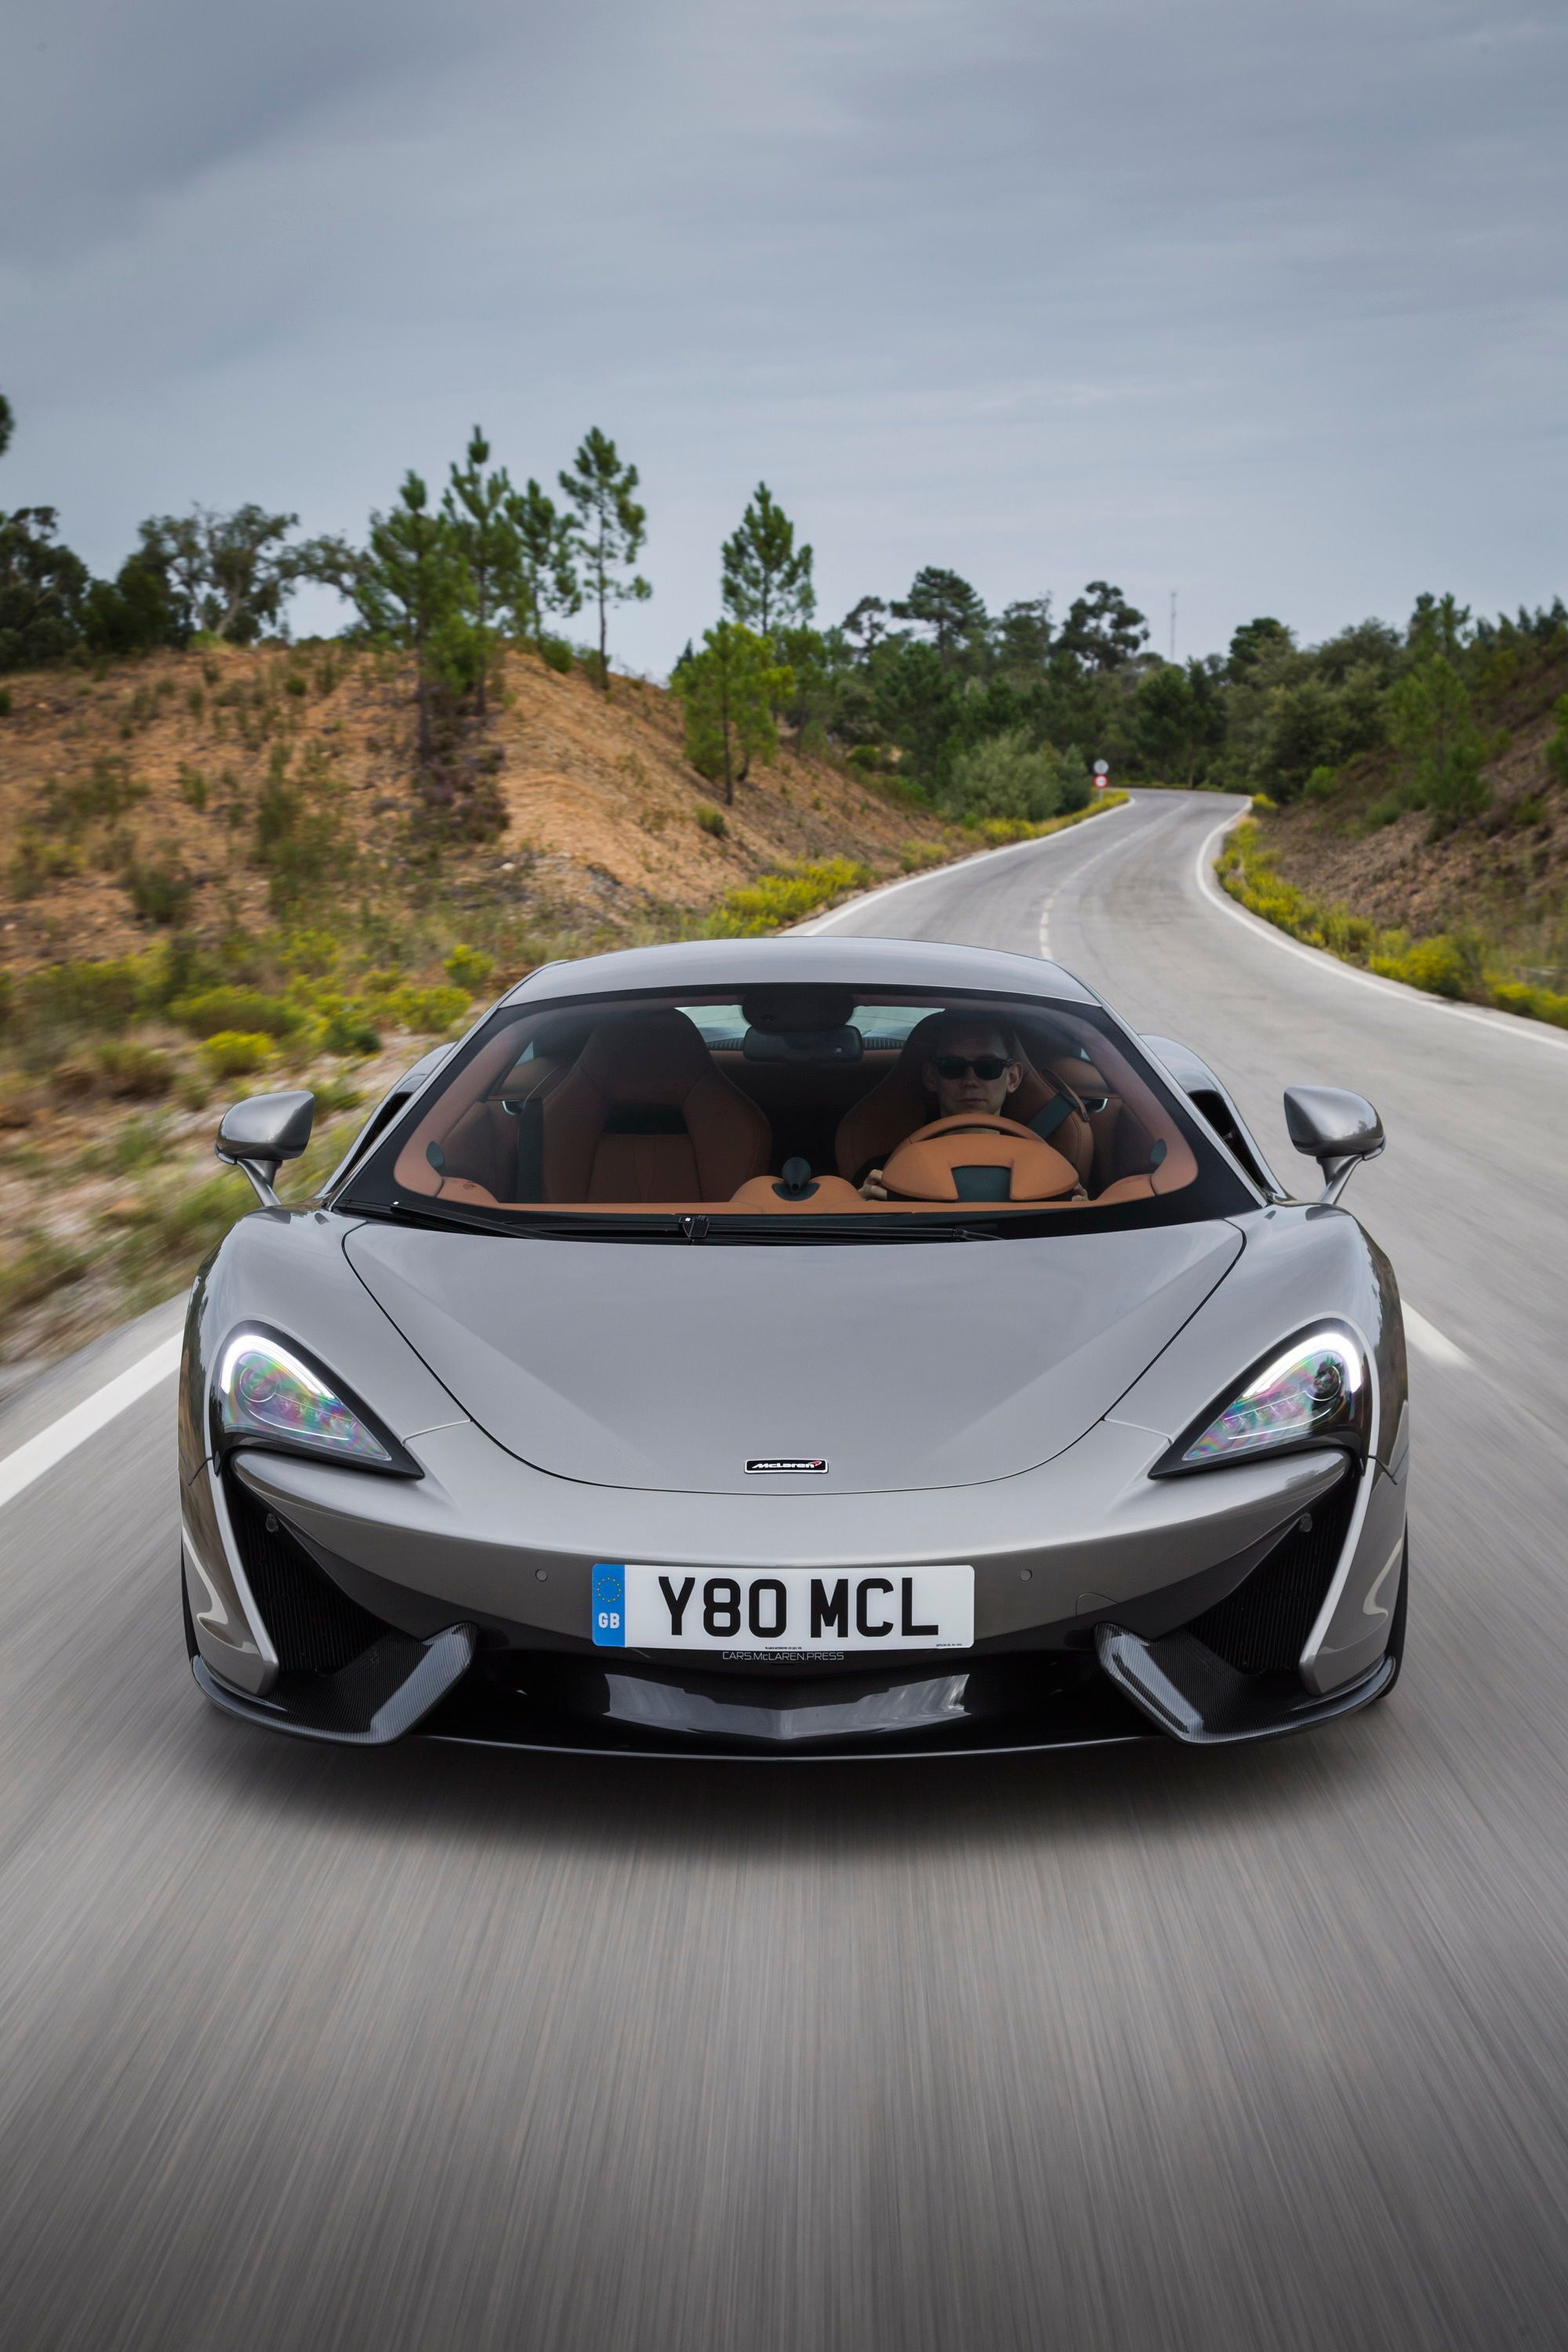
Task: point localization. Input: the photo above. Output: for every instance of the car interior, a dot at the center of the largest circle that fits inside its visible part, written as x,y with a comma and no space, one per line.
787,1103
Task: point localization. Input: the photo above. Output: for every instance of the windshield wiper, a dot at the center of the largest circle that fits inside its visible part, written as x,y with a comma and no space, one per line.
836,1229
444,1217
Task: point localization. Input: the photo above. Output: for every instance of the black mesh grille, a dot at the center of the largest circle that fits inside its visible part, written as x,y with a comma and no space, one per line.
313,1625
1263,1625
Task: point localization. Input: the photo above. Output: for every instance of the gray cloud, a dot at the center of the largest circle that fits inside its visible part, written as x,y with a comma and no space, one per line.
1265,305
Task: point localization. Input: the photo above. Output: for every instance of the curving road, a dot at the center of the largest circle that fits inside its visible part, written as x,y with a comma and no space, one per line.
1150,2047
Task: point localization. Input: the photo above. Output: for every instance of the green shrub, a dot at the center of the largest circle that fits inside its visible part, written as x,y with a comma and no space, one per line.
295,683
773,899
211,1010
105,793
914,856
1534,1003
159,889
32,1269
192,786
711,820
133,1072
1006,776
344,1029
429,1012
868,758
468,968
1557,749
1439,965
1321,784
1383,811
236,1052
557,654
4,702
37,861
84,995
303,849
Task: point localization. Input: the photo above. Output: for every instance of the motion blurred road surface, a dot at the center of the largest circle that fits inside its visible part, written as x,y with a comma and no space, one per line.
1141,2048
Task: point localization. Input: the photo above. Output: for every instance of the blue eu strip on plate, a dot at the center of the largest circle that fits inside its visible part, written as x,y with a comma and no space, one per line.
609,1604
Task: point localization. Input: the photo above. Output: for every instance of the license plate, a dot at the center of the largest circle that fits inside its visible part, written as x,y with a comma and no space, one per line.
639,1607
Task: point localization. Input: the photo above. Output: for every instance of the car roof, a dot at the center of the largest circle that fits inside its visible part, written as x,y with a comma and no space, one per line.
824,962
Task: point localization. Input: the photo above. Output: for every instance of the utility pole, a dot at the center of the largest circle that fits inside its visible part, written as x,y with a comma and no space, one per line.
1172,625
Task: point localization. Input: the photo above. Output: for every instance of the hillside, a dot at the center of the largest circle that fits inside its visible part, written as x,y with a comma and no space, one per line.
214,877
1496,883
152,776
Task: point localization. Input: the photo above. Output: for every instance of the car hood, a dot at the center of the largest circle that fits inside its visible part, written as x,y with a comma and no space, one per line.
898,1365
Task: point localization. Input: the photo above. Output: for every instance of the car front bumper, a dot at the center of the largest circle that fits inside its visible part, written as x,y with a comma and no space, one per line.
435,1611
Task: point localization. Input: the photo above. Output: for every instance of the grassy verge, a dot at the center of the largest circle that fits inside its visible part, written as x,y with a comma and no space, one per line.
1445,963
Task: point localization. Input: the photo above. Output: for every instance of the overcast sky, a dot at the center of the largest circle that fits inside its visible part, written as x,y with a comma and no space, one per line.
1263,303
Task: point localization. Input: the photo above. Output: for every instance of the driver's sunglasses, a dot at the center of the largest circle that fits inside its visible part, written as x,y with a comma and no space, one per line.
989,1067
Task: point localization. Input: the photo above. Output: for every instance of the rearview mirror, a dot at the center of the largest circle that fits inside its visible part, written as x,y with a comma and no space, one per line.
1335,1128
259,1134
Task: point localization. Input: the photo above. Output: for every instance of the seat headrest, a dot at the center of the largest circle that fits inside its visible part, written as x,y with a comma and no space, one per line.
651,1057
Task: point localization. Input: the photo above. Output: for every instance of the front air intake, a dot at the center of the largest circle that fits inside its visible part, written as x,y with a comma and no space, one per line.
1263,1625
313,1623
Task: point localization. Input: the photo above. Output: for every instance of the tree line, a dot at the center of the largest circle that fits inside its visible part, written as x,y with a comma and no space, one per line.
981,713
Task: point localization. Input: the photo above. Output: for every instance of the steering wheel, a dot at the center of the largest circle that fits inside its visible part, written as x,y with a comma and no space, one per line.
967,1122
934,1164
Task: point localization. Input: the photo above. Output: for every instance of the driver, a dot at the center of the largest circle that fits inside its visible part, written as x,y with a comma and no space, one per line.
972,1069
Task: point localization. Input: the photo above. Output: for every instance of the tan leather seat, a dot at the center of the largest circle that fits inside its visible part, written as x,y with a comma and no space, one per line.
643,1115
880,1120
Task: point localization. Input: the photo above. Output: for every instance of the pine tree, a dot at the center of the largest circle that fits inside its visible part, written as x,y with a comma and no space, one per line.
545,578
767,579
609,531
1102,630
730,690
411,589
944,603
477,509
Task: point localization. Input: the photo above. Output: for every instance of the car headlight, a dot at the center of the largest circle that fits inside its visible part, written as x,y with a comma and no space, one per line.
267,1393
1316,1391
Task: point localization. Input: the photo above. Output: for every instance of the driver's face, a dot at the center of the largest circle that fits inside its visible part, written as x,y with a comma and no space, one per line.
969,1091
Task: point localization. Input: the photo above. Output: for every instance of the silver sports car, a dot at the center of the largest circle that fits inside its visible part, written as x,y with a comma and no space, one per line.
802,1347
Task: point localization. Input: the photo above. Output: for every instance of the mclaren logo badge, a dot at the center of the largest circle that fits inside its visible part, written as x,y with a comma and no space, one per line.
794,1466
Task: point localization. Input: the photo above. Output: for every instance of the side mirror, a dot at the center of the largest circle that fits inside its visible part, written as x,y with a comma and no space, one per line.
260,1133
1335,1128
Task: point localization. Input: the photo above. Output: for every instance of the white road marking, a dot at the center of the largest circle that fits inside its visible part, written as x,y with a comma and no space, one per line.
1076,875
939,873
1427,1340
51,1445
1501,1024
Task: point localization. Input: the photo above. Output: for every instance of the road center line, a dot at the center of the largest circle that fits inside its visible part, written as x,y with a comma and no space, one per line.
1076,874
814,923
50,1447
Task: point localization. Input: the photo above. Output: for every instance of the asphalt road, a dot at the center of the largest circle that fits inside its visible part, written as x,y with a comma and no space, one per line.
1144,2048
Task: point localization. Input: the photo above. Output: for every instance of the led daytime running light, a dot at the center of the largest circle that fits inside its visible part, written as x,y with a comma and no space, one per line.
265,1391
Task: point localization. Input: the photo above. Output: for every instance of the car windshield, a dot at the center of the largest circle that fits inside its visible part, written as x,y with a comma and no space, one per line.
786,1104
